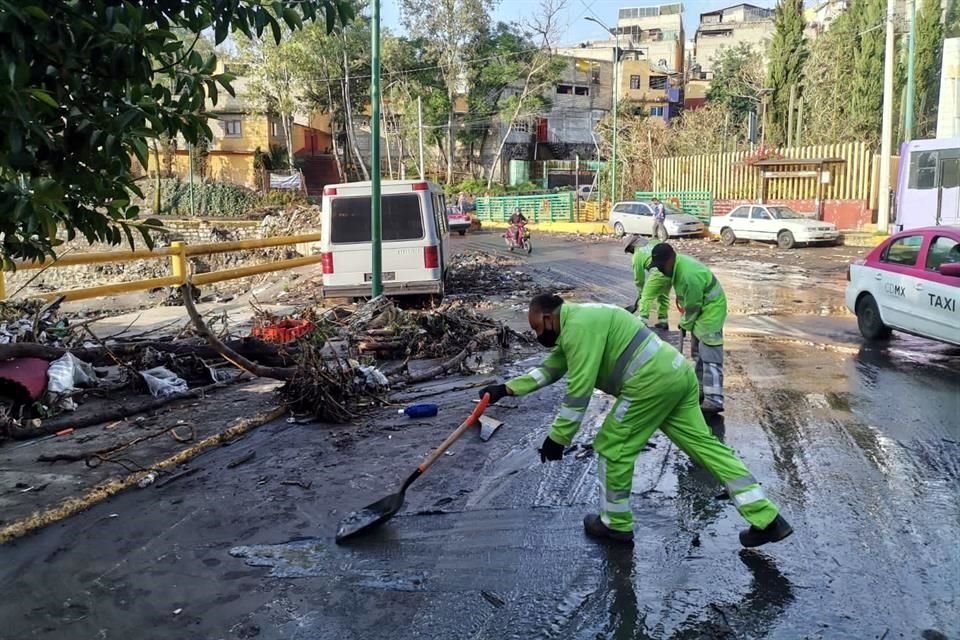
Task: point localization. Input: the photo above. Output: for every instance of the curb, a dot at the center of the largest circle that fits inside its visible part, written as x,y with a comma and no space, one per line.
584,228
109,488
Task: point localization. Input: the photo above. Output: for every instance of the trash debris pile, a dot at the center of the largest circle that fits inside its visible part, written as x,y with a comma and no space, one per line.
487,274
353,358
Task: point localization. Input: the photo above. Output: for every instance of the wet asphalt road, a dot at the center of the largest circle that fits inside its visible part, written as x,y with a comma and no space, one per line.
859,446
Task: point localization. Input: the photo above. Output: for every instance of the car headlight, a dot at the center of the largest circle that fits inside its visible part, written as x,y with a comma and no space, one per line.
671,225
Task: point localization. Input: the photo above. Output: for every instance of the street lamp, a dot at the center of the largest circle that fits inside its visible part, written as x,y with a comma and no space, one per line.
376,275
616,99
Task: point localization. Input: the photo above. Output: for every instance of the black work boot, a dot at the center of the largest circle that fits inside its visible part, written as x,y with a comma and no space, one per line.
662,325
595,528
775,532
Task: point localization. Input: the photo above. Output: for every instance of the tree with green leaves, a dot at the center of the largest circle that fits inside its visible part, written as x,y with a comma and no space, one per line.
866,84
88,85
451,30
927,63
737,80
786,55
828,73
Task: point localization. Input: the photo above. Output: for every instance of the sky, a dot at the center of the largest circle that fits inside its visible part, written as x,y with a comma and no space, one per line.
577,28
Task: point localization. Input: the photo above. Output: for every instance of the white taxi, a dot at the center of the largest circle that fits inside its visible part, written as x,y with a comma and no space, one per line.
911,283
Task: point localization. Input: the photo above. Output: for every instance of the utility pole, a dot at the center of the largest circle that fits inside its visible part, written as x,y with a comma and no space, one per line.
886,130
911,72
376,275
420,131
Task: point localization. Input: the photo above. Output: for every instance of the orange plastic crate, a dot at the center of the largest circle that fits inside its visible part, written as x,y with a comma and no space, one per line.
283,331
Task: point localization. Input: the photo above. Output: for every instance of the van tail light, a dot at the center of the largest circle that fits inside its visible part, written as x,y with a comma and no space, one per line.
329,191
421,186
326,260
431,258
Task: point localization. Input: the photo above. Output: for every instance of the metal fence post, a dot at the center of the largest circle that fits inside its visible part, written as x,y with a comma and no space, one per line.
178,262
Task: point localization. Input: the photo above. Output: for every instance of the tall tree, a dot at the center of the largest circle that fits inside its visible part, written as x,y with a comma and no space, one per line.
537,71
787,54
737,80
826,84
450,29
866,85
929,54
84,89
272,82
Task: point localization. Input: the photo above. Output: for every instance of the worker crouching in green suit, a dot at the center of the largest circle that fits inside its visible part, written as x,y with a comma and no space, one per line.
604,347
652,286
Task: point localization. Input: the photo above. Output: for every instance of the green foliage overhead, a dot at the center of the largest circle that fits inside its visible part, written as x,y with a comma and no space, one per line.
929,54
87,85
737,80
787,54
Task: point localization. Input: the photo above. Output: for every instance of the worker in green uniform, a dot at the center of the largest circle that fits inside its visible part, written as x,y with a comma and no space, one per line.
704,306
651,284
605,347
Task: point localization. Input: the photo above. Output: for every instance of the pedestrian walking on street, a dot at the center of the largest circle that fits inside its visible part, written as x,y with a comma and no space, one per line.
659,220
605,347
651,284
704,306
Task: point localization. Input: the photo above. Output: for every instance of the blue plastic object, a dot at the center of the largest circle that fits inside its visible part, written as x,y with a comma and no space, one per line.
420,410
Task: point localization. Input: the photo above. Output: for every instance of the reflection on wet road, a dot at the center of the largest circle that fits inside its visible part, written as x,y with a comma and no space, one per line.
859,446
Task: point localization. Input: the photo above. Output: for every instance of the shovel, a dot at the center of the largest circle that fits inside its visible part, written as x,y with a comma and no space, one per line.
372,516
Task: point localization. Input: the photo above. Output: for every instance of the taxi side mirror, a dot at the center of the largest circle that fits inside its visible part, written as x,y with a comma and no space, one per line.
950,269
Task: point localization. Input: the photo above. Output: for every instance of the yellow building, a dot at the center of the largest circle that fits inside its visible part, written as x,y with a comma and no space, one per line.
653,89
238,132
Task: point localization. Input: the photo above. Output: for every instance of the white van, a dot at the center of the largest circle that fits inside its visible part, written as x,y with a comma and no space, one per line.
414,233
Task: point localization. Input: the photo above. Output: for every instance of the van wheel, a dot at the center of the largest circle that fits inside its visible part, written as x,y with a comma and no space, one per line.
618,230
728,237
462,232
869,320
785,240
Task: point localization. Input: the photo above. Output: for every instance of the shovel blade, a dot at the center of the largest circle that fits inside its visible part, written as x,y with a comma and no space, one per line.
369,518
488,426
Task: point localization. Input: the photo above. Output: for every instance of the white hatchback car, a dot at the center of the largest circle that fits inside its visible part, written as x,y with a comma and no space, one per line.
636,217
910,282
772,223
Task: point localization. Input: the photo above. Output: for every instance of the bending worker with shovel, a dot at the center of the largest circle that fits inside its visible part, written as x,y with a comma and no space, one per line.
605,347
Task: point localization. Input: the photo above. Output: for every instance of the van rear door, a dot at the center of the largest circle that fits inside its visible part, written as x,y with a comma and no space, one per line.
402,232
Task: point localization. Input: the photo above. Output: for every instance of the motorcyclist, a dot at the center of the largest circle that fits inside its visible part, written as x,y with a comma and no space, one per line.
517,220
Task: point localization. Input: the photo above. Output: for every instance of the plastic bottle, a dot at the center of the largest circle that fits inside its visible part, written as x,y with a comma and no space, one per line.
420,410
147,480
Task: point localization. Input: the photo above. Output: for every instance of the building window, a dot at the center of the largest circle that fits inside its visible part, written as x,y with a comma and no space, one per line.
634,82
572,89
656,111
277,129
232,128
521,126
658,83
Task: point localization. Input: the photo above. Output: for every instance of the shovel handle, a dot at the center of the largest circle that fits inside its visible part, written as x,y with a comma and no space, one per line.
453,437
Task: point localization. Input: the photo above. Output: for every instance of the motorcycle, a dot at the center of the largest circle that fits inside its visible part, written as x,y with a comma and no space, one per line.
519,236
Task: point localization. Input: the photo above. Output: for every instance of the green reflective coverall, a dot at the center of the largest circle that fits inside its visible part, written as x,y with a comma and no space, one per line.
607,348
704,306
651,284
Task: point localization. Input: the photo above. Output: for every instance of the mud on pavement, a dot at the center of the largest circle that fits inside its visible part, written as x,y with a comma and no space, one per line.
859,450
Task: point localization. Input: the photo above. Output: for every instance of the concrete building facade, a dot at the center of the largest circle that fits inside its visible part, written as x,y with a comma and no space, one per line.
742,23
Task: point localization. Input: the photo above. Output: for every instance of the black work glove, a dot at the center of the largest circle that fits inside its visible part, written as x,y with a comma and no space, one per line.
496,391
551,450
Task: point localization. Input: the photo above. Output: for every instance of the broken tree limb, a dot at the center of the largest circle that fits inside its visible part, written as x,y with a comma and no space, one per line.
252,348
117,412
447,365
228,354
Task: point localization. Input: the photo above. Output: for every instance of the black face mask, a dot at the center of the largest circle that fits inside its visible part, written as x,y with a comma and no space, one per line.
548,338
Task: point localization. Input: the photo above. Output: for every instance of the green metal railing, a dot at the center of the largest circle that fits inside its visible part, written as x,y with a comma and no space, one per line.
696,203
548,207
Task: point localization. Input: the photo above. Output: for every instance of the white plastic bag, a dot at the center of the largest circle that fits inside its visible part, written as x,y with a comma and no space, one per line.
162,382
69,372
